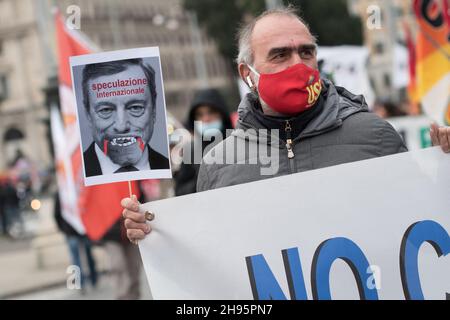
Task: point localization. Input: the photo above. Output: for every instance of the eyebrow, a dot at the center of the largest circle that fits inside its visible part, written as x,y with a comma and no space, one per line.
275,51
136,101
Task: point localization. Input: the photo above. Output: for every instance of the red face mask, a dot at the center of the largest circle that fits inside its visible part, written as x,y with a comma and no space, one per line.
290,91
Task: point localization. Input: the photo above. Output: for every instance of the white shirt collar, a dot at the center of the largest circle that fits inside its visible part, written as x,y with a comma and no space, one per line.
109,167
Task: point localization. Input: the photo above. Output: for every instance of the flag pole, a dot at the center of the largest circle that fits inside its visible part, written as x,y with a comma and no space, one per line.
129,188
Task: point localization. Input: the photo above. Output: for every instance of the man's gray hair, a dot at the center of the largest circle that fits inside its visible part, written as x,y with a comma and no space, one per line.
244,34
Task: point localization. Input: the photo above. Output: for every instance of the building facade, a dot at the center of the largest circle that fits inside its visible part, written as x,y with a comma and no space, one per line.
23,75
189,59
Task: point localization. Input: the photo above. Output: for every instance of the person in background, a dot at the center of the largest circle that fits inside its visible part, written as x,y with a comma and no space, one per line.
388,109
3,217
125,263
11,210
207,111
80,247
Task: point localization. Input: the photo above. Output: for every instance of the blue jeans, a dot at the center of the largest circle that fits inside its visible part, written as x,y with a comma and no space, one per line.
78,246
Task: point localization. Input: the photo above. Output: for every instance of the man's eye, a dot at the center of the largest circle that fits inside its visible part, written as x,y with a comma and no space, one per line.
307,53
105,112
136,110
279,56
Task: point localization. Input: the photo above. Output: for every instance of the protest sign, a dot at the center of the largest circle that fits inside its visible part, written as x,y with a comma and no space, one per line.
373,229
121,115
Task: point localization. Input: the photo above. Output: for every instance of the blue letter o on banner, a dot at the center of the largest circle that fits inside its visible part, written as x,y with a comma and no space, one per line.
345,249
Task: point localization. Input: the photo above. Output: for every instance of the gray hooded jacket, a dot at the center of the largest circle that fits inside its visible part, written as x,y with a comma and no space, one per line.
344,131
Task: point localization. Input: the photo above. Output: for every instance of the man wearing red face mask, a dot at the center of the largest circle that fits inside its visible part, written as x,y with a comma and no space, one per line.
303,121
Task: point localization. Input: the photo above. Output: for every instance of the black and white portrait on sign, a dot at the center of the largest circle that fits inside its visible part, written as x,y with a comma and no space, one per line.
122,117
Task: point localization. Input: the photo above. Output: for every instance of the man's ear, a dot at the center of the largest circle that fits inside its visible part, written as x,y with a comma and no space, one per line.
244,72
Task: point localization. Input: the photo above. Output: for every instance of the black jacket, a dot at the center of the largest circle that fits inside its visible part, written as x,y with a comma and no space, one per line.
186,177
92,165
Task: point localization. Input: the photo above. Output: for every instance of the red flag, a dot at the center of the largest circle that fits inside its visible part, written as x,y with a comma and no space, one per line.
98,206
412,90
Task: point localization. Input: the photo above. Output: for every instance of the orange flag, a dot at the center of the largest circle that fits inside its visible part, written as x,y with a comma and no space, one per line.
433,58
98,206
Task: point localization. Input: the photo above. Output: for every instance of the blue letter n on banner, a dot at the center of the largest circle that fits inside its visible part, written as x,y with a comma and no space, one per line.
264,284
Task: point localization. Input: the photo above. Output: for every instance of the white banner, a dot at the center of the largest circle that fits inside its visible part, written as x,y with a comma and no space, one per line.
375,229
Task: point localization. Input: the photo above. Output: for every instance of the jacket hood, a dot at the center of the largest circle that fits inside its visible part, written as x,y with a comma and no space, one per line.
212,98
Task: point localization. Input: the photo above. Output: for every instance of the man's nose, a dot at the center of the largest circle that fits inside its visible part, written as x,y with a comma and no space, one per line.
296,58
122,123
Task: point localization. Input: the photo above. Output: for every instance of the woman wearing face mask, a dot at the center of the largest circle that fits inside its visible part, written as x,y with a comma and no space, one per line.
208,111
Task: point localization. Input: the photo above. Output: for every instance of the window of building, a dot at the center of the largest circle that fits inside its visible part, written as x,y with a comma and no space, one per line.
173,99
210,66
166,69
379,48
387,80
372,82
13,134
3,87
190,66
399,12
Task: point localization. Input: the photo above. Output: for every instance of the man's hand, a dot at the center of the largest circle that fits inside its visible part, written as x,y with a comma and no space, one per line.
440,136
135,222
